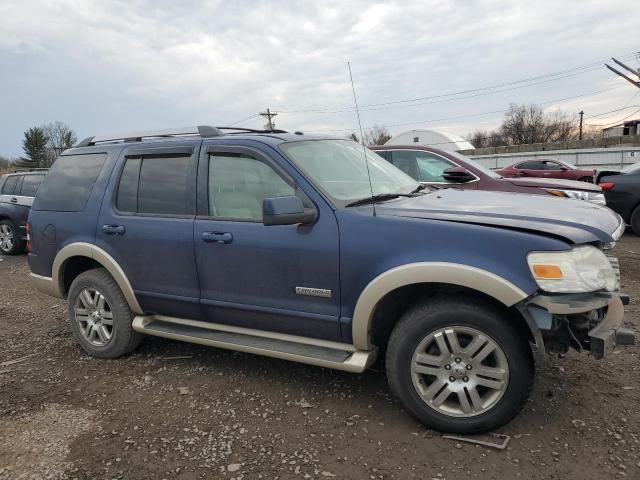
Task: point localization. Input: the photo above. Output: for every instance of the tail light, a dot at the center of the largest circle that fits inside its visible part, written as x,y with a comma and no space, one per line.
28,237
606,186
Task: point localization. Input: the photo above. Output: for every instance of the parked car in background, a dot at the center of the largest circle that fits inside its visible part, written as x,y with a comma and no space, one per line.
440,168
290,246
16,196
622,191
548,169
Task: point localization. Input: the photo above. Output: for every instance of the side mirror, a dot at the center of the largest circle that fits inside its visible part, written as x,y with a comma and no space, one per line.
563,169
458,175
286,211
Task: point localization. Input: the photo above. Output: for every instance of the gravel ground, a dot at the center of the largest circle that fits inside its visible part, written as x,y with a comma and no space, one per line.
180,411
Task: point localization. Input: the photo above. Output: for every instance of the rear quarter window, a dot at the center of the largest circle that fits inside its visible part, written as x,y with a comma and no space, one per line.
10,185
67,186
30,185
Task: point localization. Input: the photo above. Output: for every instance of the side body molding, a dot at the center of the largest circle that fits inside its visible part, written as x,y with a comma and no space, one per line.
81,249
427,272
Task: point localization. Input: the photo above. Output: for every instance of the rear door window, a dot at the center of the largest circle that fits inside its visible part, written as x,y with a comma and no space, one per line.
154,186
10,185
67,186
30,185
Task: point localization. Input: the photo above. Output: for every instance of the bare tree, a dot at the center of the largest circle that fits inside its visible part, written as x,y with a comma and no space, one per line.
6,164
377,135
61,137
525,124
484,138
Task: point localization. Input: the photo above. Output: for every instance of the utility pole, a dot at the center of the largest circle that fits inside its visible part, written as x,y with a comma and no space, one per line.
627,68
268,115
581,115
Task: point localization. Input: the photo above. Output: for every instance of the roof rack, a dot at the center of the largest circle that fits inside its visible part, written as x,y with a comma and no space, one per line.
27,169
239,130
204,131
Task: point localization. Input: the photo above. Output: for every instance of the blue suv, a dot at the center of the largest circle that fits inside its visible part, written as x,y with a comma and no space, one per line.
319,251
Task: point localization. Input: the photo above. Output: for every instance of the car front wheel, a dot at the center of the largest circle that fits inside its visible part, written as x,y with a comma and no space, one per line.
459,366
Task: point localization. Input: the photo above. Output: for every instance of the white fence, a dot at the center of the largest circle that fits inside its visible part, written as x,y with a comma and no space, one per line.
600,158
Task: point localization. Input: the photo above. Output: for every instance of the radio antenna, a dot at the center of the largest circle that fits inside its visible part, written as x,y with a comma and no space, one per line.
364,149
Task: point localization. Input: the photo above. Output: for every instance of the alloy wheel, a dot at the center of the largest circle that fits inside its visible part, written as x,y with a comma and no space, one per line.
94,317
6,238
459,371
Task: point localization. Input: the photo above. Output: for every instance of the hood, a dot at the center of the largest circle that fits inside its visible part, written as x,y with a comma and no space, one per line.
554,183
576,221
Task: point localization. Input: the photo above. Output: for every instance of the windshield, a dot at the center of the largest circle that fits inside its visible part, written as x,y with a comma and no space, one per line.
338,168
487,171
631,168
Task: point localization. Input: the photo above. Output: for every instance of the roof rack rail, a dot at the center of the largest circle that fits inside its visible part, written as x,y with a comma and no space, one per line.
239,130
204,131
28,169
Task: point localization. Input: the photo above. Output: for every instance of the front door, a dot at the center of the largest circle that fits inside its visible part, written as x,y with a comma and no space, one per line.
278,278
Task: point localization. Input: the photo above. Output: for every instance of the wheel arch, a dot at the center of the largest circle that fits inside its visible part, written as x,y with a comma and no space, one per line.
78,257
454,275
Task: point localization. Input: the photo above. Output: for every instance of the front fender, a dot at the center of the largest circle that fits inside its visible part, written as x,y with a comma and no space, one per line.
427,272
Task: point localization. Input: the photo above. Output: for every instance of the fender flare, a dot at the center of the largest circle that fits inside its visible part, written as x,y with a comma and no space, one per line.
81,249
427,272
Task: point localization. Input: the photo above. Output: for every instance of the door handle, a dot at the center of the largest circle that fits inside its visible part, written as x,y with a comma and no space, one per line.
113,229
217,237
14,200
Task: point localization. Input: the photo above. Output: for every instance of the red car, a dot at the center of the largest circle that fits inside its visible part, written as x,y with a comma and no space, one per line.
440,168
547,169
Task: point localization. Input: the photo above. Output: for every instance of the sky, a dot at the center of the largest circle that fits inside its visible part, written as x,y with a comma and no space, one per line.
112,66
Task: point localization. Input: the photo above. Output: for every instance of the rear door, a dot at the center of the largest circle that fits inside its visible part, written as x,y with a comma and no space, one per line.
146,225
278,278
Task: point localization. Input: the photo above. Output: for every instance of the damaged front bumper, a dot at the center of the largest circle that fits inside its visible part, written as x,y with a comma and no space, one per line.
585,322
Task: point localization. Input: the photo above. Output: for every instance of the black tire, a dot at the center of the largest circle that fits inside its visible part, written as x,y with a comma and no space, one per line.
17,244
428,317
635,220
123,338
586,179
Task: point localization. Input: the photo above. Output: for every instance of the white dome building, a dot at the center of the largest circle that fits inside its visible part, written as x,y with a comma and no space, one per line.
431,138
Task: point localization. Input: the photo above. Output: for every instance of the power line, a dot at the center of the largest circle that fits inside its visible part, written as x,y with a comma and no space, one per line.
617,121
457,117
243,120
558,76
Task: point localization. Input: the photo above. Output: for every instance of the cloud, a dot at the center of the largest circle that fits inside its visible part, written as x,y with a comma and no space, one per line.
107,66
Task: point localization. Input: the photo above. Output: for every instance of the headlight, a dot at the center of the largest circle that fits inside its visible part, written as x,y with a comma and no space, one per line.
583,269
594,197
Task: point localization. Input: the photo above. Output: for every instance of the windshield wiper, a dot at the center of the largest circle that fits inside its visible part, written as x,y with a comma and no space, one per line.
420,187
377,198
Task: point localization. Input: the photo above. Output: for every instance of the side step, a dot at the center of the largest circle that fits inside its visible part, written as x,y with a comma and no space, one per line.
322,353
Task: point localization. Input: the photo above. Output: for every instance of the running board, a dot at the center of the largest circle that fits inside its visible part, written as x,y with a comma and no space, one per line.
322,353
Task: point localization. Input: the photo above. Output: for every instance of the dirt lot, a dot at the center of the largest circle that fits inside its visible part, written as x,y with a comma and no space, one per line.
220,414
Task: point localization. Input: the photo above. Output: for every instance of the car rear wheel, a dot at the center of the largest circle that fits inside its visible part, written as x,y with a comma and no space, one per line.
10,242
459,366
100,316
635,220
